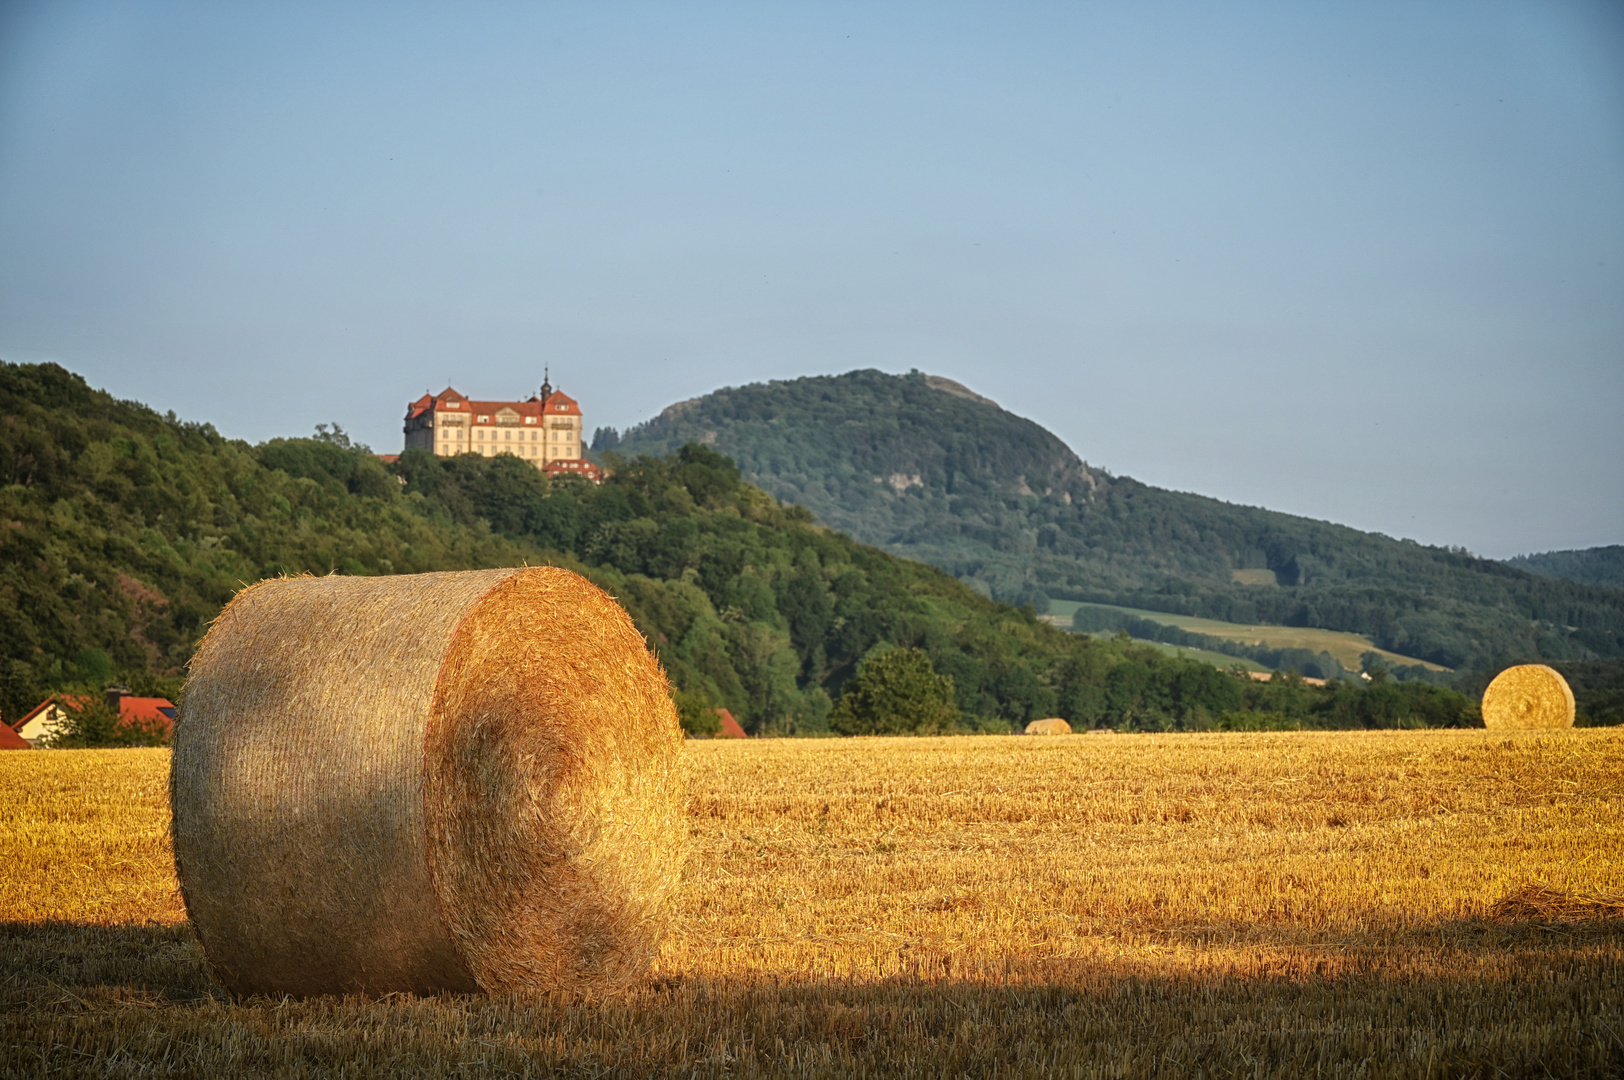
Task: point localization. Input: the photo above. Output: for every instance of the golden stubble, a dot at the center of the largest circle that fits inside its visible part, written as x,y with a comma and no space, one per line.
869,856
1356,904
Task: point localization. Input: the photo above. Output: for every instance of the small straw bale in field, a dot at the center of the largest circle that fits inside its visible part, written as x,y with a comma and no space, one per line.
459,781
1528,696
1052,726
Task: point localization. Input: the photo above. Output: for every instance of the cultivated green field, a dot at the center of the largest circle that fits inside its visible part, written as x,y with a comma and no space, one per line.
1206,656
1346,647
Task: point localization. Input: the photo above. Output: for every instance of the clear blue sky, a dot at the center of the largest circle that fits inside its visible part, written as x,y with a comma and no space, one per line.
1360,261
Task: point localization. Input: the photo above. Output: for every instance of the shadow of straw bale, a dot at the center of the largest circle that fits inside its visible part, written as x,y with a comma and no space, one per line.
92,964
1494,1000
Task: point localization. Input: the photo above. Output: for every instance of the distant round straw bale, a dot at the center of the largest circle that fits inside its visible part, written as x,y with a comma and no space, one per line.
1528,696
1052,726
461,782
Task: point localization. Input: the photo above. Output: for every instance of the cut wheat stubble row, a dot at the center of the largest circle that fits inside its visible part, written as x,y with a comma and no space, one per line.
436,782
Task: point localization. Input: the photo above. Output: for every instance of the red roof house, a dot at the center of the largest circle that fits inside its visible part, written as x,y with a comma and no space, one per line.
45,719
574,467
730,726
10,740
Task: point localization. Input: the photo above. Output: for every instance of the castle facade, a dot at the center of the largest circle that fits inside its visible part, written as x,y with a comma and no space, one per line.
545,429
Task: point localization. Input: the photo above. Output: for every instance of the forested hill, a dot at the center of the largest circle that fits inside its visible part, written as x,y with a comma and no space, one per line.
923,467
1588,566
124,532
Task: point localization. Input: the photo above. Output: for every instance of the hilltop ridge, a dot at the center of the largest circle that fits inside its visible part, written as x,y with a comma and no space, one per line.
1588,566
940,473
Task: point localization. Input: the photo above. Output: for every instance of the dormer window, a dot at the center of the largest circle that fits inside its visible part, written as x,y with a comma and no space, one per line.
453,404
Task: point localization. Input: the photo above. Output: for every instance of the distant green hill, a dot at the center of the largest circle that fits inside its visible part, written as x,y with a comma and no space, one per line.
925,468
1588,566
123,532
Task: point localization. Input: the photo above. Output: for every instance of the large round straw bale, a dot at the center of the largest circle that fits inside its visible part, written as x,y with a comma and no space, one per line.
1052,726
1528,696
464,781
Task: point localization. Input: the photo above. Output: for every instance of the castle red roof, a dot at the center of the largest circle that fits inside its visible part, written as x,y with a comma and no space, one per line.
561,404
484,412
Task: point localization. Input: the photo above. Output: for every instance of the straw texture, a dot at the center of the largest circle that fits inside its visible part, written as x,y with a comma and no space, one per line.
461,782
1528,696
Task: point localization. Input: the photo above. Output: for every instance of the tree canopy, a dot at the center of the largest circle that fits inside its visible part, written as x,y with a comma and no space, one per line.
896,692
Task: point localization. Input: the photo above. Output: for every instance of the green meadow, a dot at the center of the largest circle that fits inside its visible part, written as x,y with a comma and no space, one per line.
1347,647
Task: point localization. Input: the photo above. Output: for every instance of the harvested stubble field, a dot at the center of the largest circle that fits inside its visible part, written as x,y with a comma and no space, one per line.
1330,904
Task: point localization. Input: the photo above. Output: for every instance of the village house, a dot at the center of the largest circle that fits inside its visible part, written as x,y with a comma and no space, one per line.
49,717
730,726
545,429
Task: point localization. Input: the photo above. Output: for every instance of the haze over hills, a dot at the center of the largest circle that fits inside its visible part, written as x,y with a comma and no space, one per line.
923,467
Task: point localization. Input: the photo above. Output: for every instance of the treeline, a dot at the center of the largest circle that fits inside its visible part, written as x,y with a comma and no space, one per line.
752,606
1588,566
926,470
126,531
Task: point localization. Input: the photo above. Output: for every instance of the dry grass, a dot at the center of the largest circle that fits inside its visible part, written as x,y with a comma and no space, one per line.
1333,904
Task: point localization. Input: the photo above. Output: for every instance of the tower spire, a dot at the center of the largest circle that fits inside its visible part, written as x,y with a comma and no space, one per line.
546,382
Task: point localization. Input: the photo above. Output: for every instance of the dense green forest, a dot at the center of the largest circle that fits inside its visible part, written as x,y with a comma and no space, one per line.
125,532
1588,566
924,468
